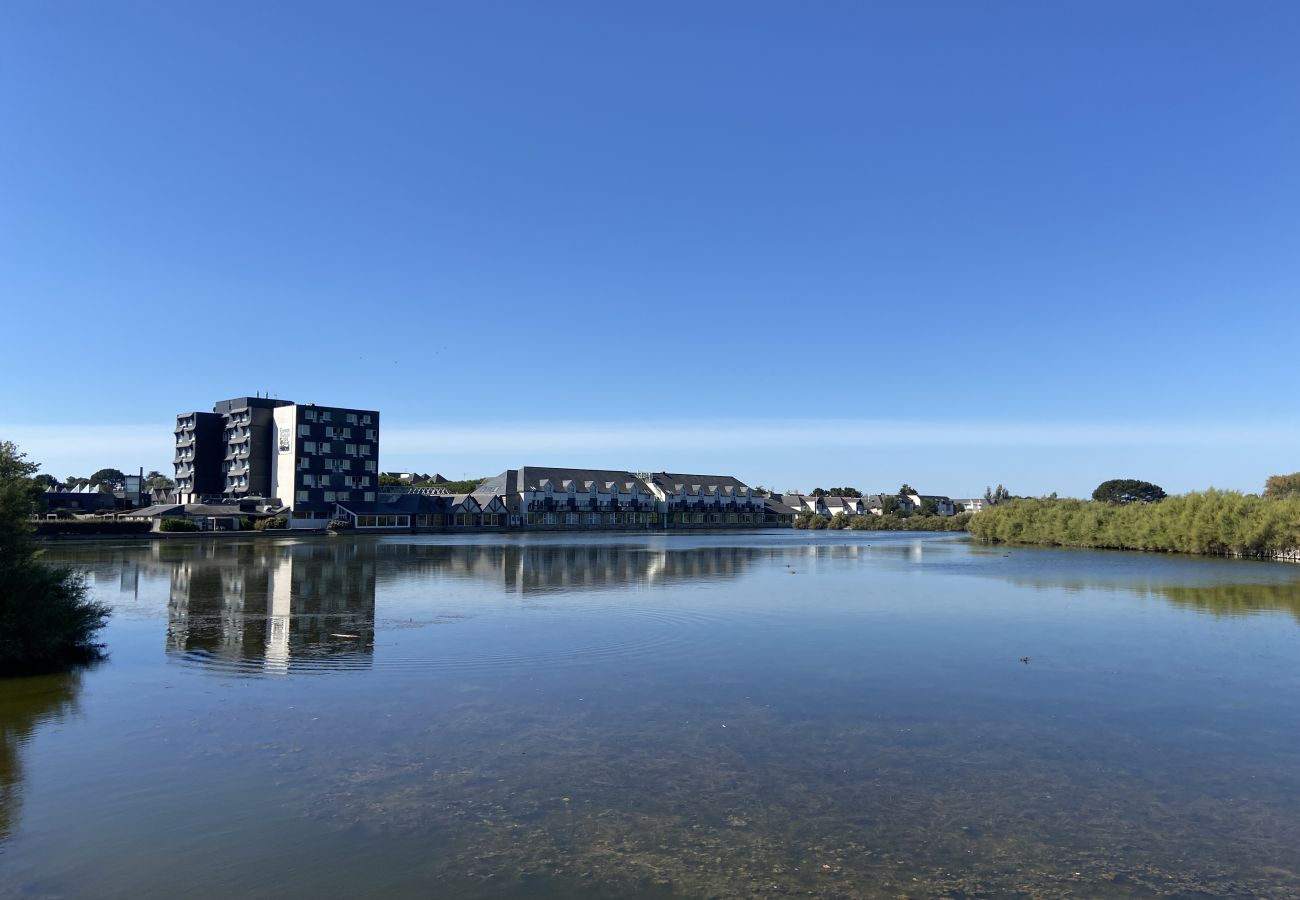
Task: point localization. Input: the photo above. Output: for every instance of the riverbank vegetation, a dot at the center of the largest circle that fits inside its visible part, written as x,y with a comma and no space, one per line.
813,522
1210,522
47,618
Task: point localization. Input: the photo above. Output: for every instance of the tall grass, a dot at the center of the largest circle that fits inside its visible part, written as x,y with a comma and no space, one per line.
1213,522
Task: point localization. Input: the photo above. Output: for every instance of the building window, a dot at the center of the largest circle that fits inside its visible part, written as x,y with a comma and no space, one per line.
352,418
370,434
302,496
370,464
329,496
304,430
370,496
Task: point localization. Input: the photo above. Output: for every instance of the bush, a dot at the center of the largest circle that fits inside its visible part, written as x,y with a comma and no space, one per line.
910,523
177,525
246,524
339,524
275,522
1207,522
811,521
47,618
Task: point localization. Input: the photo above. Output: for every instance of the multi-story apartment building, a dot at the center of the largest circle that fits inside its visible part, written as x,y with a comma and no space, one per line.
247,437
324,455
306,456
706,499
198,462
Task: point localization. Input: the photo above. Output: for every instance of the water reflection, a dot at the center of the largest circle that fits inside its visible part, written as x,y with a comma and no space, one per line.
25,705
546,568
592,719
273,607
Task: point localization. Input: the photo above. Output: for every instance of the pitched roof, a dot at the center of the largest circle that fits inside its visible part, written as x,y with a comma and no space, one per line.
671,482
535,478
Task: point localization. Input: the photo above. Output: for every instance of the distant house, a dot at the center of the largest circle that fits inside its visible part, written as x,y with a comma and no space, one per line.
971,504
943,506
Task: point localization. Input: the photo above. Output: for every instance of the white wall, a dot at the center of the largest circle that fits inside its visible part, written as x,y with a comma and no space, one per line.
284,461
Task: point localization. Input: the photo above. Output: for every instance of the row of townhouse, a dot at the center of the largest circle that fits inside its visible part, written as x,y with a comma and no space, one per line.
869,505
543,498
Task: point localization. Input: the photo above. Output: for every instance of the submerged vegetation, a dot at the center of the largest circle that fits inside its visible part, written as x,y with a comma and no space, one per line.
47,618
1213,522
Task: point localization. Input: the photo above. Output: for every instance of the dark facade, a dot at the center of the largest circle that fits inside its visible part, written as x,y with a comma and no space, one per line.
200,452
308,457
248,433
325,455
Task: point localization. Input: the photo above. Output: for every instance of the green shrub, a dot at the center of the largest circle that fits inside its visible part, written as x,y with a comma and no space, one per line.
245,524
1207,522
47,618
910,523
177,525
811,521
275,522
339,524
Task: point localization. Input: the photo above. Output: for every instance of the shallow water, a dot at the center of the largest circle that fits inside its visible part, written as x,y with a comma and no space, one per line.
824,714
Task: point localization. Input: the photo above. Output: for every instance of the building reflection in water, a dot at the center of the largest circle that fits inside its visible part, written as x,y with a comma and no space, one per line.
271,607
541,568
263,606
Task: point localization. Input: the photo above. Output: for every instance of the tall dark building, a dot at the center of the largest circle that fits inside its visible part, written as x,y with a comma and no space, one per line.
325,455
308,457
199,456
249,449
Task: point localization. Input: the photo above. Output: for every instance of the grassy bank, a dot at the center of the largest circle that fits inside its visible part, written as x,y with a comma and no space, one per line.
1211,522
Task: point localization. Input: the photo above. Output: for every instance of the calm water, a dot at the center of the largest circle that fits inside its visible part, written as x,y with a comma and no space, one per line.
835,715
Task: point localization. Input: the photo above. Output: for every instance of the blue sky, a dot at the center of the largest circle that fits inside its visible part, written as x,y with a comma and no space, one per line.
954,244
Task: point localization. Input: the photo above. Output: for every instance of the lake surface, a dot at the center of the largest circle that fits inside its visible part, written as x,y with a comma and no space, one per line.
727,715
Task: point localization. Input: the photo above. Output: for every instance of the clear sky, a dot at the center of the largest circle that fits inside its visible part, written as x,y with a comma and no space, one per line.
948,243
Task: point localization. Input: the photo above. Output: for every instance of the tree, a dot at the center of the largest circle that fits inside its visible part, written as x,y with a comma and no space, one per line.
72,482
46,615
46,481
994,496
157,481
906,490
1128,490
113,479
1282,485
836,492
929,507
888,505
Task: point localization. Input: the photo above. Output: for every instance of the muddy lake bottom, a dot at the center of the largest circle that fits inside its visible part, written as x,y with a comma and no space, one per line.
719,715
